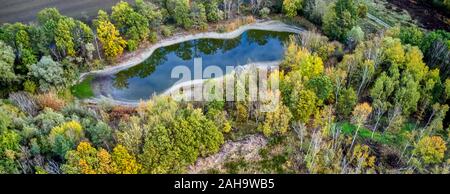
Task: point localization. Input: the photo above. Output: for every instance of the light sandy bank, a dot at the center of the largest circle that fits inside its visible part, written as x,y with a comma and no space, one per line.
139,57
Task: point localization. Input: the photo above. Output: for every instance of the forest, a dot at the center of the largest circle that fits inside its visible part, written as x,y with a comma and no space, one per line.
357,96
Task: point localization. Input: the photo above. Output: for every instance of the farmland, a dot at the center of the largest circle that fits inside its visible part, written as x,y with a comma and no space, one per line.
26,10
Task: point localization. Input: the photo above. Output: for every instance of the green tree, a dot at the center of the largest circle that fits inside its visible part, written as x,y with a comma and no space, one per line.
213,13
276,121
63,37
198,15
345,102
181,13
322,86
380,93
291,7
134,25
167,137
65,137
6,64
304,104
341,17
151,12
49,74
431,149
9,145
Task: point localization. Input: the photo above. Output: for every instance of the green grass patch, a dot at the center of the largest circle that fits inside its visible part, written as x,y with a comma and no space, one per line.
350,129
83,89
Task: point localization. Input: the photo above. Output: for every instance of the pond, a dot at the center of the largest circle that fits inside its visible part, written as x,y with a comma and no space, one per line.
153,76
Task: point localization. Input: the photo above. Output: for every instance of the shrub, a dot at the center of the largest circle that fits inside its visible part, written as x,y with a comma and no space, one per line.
29,86
264,12
153,37
25,102
166,31
49,73
132,45
50,100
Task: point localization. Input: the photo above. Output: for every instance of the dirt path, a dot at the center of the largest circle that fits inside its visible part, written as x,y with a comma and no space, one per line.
248,149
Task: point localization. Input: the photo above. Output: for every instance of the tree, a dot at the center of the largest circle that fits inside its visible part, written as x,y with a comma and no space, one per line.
355,36
213,13
151,12
100,134
65,137
304,104
50,74
124,162
380,93
412,35
6,64
322,86
181,12
276,121
134,25
407,95
359,118
341,17
88,160
302,61
9,145
109,36
393,51
345,102
447,88
198,15
9,152
430,149
167,138
290,7
63,36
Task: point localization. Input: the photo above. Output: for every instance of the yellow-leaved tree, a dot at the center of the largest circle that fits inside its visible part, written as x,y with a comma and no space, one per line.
113,44
88,160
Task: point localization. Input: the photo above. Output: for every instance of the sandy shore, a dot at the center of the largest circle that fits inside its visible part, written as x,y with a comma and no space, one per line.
147,52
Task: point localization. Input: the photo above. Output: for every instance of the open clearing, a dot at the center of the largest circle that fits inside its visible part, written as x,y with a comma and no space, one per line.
26,10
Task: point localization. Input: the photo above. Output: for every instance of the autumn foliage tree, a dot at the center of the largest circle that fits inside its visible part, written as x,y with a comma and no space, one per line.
113,44
431,150
88,160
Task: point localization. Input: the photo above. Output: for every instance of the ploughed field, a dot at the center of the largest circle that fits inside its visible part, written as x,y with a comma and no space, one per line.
26,10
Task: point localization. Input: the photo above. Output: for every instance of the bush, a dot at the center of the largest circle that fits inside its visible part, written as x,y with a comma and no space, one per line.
264,12
49,73
25,102
153,37
355,36
29,86
166,31
50,100
132,45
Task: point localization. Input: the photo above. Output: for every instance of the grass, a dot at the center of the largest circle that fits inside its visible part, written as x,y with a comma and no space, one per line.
384,11
364,133
83,90
242,130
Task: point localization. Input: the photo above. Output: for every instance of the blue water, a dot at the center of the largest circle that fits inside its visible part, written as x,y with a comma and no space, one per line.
153,76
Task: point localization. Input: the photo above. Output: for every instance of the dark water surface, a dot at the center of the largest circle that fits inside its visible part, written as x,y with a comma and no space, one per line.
153,76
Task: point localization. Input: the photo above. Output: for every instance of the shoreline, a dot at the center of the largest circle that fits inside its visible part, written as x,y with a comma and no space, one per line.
271,25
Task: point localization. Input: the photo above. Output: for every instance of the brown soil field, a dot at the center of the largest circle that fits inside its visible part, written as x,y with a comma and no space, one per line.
26,10
428,16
